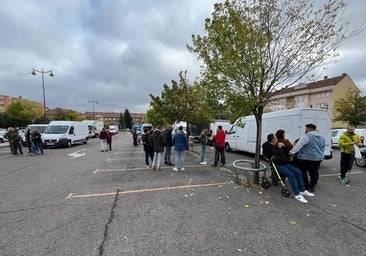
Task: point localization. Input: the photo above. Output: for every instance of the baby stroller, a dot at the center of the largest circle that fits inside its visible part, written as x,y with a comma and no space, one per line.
276,178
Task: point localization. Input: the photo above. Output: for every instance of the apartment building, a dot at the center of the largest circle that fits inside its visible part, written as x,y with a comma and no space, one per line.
321,94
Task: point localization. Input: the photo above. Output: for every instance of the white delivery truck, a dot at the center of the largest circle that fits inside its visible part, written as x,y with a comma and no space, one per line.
92,128
243,133
65,133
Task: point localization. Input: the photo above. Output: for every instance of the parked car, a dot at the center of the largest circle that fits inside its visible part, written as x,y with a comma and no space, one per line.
362,161
2,139
336,133
38,127
362,133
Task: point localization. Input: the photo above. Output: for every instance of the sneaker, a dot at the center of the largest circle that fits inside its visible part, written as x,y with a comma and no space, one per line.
347,179
214,165
306,193
175,169
147,166
301,199
203,163
182,169
344,180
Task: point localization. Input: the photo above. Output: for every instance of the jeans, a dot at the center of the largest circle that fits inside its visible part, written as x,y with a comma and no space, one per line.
168,152
179,158
294,177
203,152
157,159
37,146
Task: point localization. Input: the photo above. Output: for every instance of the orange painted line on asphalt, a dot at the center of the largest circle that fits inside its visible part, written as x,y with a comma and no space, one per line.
71,195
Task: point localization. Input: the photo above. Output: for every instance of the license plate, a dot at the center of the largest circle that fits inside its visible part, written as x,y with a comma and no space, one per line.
50,144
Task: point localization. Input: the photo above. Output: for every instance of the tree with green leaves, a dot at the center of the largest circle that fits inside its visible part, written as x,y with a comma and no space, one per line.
180,102
128,119
350,109
23,112
68,115
252,48
122,122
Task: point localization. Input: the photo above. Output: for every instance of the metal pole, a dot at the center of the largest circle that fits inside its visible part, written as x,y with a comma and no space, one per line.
44,95
43,87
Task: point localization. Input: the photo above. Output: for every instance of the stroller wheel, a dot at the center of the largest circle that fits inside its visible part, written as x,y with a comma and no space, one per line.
265,184
285,192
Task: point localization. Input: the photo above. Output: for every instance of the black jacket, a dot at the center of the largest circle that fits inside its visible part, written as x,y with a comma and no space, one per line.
270,150
168,138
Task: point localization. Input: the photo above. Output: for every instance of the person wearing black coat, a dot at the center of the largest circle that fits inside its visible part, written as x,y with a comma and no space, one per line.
168,146
158,141
148,146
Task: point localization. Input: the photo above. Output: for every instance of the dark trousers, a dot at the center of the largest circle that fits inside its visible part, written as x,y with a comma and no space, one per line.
346,163
309,168
109,144
18,147
29,144
149,152
219,154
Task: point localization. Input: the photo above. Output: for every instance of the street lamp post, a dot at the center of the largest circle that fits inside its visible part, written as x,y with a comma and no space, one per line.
44,95
93,101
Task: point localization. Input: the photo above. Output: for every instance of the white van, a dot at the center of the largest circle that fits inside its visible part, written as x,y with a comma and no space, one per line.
65,133
243,133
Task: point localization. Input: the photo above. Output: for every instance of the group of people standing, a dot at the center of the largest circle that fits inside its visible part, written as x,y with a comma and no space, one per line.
33,139
308,152
155,142
300,161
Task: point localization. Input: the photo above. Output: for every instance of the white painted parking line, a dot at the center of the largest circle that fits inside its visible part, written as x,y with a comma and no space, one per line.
144,168
337,174
123,159
119,170
71,195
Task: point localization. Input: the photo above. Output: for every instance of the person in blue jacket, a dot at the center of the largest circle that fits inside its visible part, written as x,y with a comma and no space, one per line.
180,143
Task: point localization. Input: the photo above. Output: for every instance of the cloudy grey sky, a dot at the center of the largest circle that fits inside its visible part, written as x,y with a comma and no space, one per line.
117,52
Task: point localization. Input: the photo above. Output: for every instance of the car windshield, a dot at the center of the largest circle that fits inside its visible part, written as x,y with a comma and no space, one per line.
38,128
56,129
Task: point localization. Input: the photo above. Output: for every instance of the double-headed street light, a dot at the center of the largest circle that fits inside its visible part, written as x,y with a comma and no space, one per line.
44,95
93,101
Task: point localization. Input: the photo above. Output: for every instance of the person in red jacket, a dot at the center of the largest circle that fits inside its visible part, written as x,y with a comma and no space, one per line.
220,146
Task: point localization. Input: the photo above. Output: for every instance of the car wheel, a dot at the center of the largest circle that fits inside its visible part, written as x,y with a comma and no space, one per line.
361,161
1,141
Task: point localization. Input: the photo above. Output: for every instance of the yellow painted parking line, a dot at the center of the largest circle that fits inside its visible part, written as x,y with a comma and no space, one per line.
337,174
71,195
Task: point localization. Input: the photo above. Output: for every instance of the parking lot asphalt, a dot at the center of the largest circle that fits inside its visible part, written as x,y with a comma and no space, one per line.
112,205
